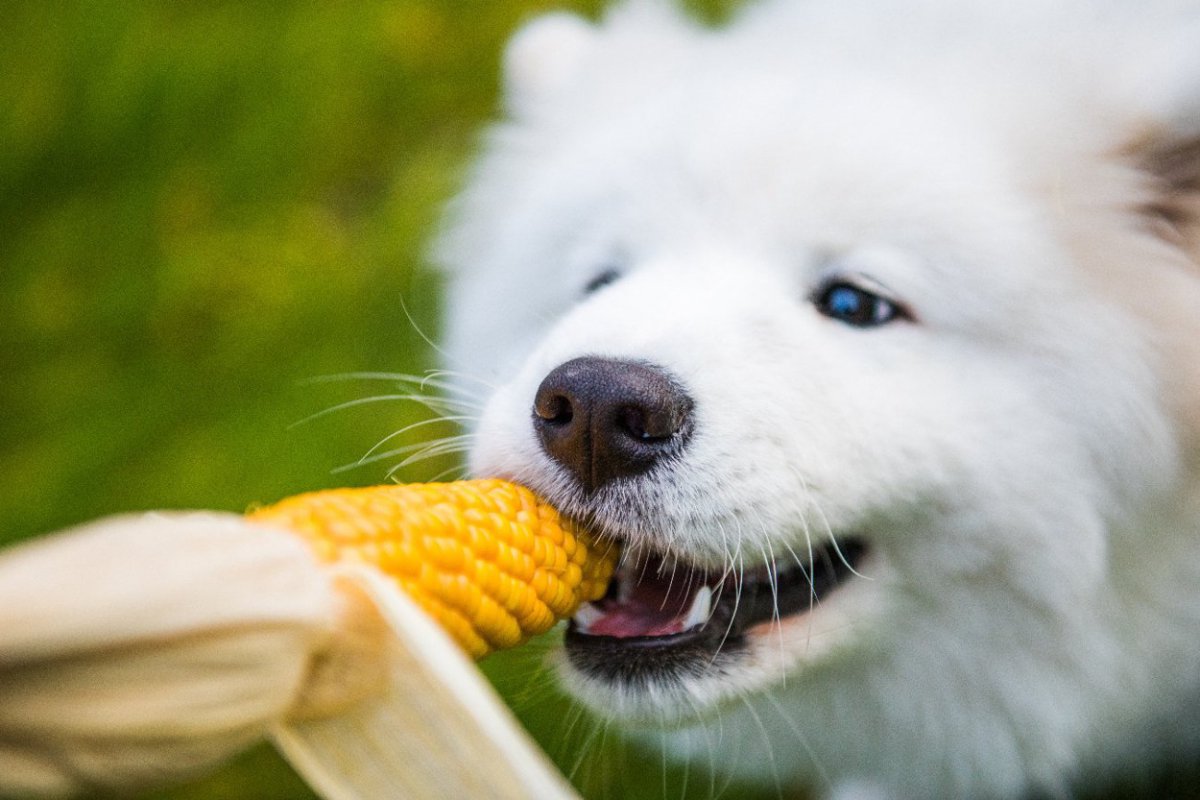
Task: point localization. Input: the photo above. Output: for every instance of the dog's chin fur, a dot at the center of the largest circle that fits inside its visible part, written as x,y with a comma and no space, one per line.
1019,452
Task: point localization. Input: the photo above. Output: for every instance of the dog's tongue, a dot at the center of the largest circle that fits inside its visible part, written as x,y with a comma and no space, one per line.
654,606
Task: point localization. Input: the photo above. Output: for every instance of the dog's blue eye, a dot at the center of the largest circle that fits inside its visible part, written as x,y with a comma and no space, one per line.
855,306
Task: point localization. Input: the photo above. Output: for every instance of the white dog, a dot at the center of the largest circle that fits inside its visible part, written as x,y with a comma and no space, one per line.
871,330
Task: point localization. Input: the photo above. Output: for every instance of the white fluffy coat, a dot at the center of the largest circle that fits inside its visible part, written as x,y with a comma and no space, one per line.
1023,457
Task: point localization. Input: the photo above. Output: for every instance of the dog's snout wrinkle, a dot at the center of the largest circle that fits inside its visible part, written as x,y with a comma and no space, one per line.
605,419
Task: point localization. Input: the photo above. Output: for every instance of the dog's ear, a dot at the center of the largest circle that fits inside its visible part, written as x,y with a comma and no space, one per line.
1173,162
543,57
1161,90
559,52
1170,299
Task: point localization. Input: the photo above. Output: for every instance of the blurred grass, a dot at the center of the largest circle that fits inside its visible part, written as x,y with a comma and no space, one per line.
205,204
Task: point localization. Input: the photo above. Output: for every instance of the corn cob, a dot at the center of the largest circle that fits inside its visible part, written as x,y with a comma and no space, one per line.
487,559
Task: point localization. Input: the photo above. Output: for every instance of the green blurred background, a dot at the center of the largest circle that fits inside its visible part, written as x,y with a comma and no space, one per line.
205,205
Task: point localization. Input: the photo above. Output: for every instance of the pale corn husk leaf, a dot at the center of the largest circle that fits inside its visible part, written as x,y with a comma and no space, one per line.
439,730
142,648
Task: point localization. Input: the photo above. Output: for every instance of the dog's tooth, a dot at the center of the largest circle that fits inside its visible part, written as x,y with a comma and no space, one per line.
701,606
586,615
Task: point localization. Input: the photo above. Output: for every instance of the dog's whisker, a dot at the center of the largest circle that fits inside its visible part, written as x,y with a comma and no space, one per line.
384,456
738,581
436,448
767,745
706,732
818,767
728,574
450,390
575,713
367,456
440,404
421,333
362,401
450,473
671,580
424,454
845,561
438,374
430,378
589,741
452,442
458,443
419,382
776,617
808,573
662,754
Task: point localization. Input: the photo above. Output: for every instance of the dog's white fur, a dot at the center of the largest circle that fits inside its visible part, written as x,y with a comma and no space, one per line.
1023,458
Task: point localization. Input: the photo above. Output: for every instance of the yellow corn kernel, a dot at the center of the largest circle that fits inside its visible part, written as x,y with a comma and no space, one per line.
492,563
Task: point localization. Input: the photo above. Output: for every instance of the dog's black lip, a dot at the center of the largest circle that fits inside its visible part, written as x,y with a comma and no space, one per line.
641,657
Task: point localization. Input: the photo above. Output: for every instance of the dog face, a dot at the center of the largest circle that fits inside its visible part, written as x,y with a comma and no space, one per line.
813,346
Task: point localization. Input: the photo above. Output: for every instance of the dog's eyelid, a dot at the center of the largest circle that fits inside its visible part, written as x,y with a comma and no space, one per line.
860,280
601,279
831,278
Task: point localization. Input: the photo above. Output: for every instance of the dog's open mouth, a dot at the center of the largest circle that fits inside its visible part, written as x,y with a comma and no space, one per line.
657,613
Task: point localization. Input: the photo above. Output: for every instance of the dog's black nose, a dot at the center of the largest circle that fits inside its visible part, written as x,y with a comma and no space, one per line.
604,419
